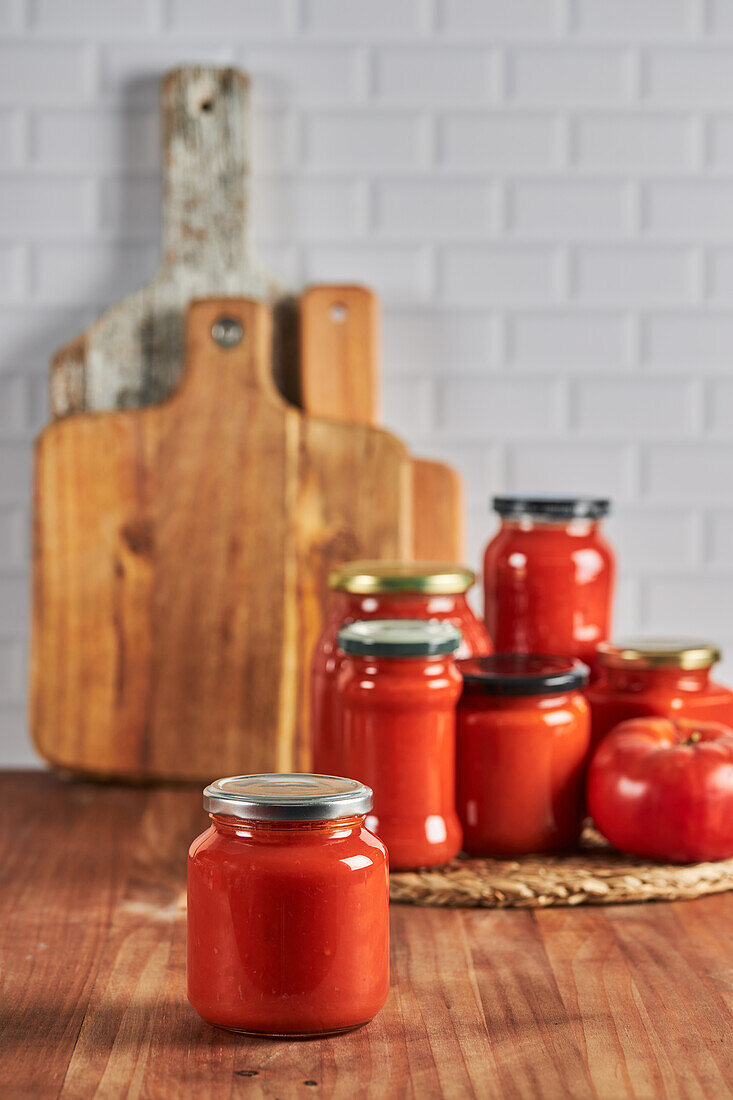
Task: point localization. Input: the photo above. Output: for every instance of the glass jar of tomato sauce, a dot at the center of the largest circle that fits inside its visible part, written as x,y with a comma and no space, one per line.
549,576
523,740
666,677
364,590
398,688
288,907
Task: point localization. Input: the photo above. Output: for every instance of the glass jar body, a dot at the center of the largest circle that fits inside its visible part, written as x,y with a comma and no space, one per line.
521,764
349,607
397,734
548,588
288,926
623,693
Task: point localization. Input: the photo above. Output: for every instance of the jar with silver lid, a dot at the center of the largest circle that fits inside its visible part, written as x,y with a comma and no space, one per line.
288,907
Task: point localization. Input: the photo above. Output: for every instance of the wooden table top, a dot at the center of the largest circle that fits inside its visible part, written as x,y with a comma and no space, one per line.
623,1001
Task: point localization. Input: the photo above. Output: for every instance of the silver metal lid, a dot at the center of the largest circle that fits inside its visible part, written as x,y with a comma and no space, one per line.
287,796
399,638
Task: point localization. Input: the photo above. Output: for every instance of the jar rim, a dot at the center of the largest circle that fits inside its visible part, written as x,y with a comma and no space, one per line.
399,638
288,796
370,578
550,507
516,674
682,653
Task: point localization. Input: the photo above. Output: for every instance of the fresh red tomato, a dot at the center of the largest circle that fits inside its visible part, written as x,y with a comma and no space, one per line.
663,789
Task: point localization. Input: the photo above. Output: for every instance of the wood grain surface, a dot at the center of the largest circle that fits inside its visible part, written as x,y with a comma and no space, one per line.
181,556
340,378
631,1001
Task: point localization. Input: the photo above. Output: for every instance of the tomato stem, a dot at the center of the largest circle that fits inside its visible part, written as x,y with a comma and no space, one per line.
693,738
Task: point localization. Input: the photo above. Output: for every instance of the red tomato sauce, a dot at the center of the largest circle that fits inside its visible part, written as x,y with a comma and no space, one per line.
523,740
288,925
397,734
384,590
670,679
548,581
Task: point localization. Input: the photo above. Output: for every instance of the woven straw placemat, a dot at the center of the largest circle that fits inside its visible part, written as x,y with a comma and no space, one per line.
594,876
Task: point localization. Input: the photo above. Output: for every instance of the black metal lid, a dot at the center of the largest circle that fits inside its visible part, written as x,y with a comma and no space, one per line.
523,674
399,638
551,507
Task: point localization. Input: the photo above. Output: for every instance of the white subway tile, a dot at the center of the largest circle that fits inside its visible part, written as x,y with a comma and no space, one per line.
12,671
11,15
500,142
13,406
652,538
14,537
695,340
83,17
720,269
434,209
44,207
236,18
12,269
572,468
131,72
684,605
435,342
690,209
720,16
305,209
283,261
575,341
15,475
15,602
624,143
569,210
130,208
490,274
275,144
498,408
635,409
394,271
11,139
354,18
720,406
720,541
91,272
439,76
629,18
480,464
365,141
295,76
690,76
39,73
626,610
689,473
587,75
500,18
96,138
720,143
633,275
408,406
17,748
29,332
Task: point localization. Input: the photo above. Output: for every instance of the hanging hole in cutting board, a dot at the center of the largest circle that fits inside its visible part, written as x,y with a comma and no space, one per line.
227,332
338,313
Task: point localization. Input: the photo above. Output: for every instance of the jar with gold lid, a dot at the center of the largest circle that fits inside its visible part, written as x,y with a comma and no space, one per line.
669,677
363,590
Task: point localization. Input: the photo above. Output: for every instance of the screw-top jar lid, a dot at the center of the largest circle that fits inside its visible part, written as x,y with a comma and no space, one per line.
287,797
399,638
523,674
369,578
684,653
545,506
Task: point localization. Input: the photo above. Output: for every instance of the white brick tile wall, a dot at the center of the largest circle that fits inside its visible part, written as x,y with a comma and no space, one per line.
541,191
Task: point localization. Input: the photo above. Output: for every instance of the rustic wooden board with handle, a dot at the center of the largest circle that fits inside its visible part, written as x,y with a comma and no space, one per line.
180,562
132,355
339,377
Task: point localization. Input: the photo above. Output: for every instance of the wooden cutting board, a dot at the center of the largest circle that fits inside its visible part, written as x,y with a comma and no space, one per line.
133,354
339,377
180,562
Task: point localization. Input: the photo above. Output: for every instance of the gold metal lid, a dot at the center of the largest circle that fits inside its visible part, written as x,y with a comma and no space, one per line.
369,578
682,653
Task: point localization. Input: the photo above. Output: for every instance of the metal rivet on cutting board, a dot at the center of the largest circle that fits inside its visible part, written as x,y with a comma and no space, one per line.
227,332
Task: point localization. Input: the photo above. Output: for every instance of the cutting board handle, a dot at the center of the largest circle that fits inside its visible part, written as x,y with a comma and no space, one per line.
206,166
227,340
